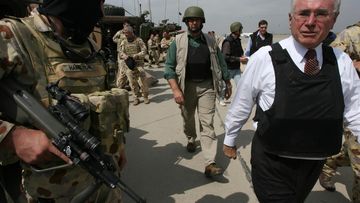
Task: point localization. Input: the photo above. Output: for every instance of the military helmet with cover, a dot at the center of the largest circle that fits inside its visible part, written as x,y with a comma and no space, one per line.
236,26
194,12
77,25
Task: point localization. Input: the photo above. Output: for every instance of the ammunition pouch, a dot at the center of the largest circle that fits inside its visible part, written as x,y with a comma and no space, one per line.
110,117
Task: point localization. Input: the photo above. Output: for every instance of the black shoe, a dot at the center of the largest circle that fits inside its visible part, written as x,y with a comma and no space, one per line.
212,170
326,183
191,147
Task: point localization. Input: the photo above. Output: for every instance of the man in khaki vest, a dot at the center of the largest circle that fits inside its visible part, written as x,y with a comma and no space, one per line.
52,45
195,69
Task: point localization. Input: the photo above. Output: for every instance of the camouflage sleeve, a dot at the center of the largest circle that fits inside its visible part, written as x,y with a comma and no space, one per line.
143,48
122,52
116,37
342,41
9,62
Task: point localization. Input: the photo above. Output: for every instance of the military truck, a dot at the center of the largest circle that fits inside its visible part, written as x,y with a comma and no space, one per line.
115,17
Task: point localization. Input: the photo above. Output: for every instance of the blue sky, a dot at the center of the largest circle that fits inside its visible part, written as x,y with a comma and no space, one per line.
220,14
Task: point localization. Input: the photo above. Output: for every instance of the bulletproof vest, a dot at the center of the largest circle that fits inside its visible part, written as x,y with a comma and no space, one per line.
109,114
74,75
235,50
198,62
306,118
257,42
131,48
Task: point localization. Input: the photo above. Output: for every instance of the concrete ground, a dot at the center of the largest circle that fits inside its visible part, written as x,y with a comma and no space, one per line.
160,169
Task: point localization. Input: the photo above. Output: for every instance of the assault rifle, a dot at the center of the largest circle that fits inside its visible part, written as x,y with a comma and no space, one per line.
61,123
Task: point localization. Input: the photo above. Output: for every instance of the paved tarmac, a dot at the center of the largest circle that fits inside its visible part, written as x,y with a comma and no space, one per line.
160,169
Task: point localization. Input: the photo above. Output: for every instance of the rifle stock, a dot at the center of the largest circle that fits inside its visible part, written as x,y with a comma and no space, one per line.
91,159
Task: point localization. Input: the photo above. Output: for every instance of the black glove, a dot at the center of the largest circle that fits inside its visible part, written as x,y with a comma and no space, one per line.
130,62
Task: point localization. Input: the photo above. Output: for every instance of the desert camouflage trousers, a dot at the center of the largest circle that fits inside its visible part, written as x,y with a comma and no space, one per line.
348,156
67,183
154,56
137,78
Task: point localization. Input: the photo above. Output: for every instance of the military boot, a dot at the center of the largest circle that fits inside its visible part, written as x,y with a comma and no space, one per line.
326,182
146,100
136,102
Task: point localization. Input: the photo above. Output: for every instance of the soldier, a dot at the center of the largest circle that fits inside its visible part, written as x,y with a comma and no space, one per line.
132,53
348,41
52,45
153,48
165,44
120,36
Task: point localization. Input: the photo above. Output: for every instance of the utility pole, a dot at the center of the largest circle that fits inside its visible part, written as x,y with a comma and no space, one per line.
165,10
150,10
178,14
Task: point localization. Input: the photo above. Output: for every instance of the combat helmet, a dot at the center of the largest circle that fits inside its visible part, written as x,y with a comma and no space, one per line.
194,12
235,26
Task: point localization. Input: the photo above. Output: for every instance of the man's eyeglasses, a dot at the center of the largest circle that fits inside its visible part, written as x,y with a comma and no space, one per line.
263,27
320,15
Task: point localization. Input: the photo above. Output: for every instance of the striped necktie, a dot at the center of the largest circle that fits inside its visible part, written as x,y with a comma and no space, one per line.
312,64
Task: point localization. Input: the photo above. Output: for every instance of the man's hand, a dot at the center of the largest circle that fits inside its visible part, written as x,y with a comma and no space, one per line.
244,59
230,152
178,94
357,65
228,90
32,146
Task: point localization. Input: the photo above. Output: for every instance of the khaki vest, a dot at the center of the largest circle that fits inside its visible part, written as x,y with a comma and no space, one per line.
182,42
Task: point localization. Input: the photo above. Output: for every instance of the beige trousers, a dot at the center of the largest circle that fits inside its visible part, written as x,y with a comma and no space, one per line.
200,97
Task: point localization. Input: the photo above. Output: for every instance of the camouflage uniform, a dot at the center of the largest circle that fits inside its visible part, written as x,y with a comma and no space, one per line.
165,44
118,38
153,48
137,76
30,54
348,41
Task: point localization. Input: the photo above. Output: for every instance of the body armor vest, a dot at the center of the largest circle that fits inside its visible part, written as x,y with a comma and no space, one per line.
198,62
235,50
132,48
257,42
306,118
77,77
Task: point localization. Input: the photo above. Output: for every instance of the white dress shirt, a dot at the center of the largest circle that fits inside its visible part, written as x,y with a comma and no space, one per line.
249,44
257,85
